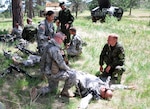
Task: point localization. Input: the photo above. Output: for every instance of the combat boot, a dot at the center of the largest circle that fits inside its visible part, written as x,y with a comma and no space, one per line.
67,93
34,93
117,74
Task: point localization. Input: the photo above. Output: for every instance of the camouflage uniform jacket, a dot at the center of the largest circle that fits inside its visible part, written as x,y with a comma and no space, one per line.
45,31
113,56
17,32
88,83
75,47
52,53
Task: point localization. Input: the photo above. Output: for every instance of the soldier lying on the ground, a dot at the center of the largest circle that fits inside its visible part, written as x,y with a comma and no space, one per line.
30,61
91,87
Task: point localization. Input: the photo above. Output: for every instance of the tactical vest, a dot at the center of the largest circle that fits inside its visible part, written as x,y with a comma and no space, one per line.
54,69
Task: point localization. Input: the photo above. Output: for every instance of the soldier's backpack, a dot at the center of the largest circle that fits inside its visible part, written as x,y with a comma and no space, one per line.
29,33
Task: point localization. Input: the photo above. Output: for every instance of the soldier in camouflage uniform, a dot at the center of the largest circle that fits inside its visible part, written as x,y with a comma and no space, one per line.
17,31
31,60
91,87
65,19
75,46
45,31
30,31
55,69
113,56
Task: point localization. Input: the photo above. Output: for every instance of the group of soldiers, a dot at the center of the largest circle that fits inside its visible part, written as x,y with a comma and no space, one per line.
55,69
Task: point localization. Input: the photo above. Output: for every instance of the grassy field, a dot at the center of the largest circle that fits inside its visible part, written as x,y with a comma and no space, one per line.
134,32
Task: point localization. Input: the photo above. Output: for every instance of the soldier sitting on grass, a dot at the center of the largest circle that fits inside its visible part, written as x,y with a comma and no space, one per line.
74,48
30,31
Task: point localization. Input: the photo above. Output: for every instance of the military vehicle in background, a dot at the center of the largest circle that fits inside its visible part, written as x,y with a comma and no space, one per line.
104,9
53,6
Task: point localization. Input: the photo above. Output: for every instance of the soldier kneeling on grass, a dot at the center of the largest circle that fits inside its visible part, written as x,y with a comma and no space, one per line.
113,56
55,69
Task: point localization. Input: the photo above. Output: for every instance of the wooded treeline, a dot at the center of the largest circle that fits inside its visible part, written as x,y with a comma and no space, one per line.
31,8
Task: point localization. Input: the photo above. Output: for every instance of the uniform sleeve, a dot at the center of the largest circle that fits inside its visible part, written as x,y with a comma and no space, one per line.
41,32
43,61
118,86
57,56
103,53
78,43
71,18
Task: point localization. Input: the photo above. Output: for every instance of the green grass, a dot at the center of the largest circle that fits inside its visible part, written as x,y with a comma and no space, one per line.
134,34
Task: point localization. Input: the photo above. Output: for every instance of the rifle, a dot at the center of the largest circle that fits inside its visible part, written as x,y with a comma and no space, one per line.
24,50
7,38
13,67
85,101
65,56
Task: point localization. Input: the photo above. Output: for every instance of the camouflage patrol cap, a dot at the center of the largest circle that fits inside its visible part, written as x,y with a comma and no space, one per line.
61,3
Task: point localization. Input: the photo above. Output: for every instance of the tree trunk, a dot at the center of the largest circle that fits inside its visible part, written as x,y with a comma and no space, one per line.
149,21
39,2
76,10
26,7
30,11
17,12
130,7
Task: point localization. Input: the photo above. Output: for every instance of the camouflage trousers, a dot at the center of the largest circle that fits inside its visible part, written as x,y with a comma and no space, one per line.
53,81
73,52
115,73
32,60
